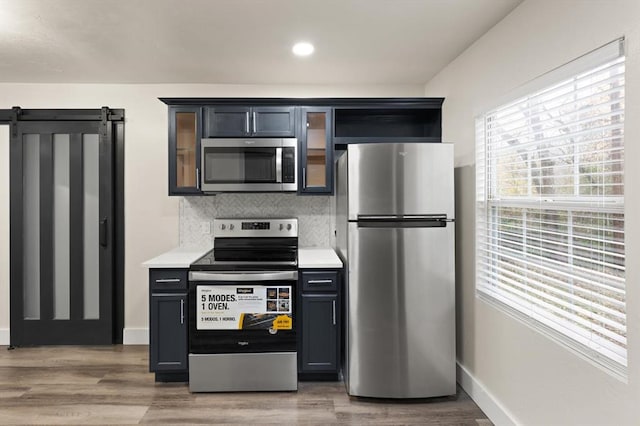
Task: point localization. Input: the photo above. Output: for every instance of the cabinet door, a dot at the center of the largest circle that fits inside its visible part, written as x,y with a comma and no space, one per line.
227,122
319,333
273,121
168,332
184,150
316,152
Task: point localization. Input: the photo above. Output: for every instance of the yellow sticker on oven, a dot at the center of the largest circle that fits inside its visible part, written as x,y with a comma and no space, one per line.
282,322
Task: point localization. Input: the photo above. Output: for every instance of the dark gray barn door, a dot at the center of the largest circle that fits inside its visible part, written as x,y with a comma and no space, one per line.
62,235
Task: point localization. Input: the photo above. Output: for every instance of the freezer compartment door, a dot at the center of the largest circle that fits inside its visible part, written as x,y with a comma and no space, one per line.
401,312
400,179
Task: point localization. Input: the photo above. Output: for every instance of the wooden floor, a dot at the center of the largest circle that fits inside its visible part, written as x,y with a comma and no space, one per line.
112,385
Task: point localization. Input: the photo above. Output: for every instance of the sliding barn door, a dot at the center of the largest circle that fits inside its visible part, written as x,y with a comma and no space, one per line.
61,233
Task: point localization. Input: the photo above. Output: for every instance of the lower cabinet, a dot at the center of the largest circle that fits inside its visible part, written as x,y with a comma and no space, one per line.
319,341
168,327
318,324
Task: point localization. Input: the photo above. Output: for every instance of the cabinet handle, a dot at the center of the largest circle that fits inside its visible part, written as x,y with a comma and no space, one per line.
334,312
319,281
247,123
304,177
182,312
254,122
198,177
168,280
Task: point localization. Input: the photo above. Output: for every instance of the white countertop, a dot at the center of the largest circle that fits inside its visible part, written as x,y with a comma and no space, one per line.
183,257
325,258
180,257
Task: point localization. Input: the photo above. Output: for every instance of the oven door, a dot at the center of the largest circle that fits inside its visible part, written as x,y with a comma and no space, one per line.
248,165
242,312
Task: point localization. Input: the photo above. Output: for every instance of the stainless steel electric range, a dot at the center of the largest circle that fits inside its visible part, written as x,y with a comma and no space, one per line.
242,323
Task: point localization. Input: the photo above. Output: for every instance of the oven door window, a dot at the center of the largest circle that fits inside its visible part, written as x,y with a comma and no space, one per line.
232,307
229,317
239,165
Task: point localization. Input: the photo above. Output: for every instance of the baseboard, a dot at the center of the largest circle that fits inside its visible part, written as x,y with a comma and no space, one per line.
131,336
135,336
485,400
4,337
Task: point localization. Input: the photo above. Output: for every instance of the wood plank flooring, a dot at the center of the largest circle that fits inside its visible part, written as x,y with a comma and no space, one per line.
112,385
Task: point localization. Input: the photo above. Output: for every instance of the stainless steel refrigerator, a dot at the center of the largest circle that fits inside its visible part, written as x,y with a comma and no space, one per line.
395,233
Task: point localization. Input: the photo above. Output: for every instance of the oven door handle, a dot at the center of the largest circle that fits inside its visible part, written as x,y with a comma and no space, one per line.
243,276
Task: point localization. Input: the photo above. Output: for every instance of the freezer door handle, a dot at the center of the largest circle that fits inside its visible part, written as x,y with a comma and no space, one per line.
423,223
405,217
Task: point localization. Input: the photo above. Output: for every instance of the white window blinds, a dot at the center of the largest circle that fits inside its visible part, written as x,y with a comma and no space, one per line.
550,210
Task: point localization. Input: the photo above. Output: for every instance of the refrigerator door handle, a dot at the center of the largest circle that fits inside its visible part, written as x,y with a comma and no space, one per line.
402,224
406,221
406,217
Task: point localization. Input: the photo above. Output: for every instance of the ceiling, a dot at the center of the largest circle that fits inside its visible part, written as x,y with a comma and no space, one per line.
238,41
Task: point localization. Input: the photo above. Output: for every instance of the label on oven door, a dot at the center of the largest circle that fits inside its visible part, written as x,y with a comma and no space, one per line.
243,307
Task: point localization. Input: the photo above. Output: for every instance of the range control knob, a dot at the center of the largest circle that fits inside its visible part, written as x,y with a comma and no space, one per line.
231,226
223,226
289,227
281,227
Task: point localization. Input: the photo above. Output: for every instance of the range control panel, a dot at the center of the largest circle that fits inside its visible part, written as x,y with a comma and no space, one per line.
239,228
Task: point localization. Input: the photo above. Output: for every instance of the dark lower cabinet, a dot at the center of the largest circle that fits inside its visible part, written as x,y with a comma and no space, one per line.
319,343
319,333
168,326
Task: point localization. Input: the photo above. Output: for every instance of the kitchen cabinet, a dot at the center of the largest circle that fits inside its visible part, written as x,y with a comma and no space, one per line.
389,123
245,121
319,341
315,158
168,324
184,150
321,126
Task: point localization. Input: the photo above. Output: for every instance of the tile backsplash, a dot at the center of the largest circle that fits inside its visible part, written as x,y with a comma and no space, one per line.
315,220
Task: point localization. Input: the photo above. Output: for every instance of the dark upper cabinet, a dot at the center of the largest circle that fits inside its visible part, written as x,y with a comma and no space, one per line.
185,125
315,157
319,329
388,124
274,121
320,125
236,121
227,122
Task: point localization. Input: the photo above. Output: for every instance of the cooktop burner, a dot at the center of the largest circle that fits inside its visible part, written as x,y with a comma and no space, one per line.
251,244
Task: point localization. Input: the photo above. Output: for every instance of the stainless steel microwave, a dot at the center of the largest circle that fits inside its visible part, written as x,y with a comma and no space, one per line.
249,165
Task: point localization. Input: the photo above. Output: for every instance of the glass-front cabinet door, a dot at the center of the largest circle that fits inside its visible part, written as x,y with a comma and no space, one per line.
316,151
184,146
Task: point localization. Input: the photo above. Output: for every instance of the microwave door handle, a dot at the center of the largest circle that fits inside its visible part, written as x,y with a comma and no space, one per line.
278,165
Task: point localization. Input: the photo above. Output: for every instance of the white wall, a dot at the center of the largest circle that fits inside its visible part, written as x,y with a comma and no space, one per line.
151,217
535,380
4,235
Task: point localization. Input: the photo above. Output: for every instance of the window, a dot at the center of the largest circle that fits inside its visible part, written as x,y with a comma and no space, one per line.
550,207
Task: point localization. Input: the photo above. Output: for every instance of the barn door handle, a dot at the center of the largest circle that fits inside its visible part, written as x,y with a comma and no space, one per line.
103,232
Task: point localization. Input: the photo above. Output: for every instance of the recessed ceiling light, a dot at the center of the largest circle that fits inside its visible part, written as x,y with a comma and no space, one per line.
303,49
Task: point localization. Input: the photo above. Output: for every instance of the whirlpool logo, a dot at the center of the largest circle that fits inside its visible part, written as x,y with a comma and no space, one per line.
402,153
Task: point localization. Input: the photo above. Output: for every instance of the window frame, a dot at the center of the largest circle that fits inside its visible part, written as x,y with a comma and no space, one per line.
487,204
